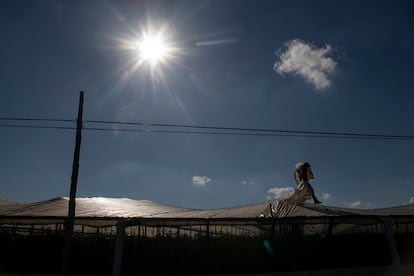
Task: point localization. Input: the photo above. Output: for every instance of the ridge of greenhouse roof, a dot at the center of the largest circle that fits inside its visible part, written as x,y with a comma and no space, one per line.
103,207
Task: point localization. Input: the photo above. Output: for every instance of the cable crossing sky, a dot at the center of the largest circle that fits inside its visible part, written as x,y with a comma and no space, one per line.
118,126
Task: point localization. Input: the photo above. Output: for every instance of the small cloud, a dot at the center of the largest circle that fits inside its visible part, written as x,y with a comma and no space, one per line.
201,181
411,201
280,192
307,61
326,196
354,204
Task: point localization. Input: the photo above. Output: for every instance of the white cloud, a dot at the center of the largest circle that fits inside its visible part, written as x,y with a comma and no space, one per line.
354,204
326,196
308,61
411,200
280,192
201,181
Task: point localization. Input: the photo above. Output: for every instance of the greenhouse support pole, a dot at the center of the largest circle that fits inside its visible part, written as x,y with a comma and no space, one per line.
70,222
392,247
119,247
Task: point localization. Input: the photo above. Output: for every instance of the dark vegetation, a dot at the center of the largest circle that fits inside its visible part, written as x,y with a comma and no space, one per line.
93,253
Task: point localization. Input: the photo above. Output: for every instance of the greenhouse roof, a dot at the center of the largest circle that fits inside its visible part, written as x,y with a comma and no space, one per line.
102,207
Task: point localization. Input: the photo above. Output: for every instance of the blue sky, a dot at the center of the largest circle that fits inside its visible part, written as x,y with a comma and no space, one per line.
334,66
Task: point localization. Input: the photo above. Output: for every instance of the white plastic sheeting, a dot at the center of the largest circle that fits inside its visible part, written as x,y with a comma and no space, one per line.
101,207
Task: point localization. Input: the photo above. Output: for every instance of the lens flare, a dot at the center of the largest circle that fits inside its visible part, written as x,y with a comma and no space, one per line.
268,248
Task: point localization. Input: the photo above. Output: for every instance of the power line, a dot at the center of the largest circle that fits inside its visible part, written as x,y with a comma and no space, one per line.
249,134
36,126
291,132
202,129
37,119
207,132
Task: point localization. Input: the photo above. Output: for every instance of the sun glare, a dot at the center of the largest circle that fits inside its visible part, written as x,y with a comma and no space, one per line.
152,49
151,52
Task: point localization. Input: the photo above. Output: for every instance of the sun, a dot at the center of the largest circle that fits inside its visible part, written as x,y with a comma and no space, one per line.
152,49
150,53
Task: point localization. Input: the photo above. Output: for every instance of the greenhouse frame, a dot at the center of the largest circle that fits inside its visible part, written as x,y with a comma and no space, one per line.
124,236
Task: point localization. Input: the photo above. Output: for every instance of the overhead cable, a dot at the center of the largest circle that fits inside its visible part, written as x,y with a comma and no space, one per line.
298,132
383,137
37,119
36,126
197,129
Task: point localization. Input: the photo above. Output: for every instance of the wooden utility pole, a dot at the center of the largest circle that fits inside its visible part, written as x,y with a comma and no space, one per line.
70,222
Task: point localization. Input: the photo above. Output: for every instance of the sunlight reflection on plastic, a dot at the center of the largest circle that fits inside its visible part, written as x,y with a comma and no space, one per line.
268,248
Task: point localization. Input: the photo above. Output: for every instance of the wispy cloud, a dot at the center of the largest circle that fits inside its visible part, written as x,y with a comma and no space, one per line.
244,182
279,192
200,181
326,196
217,42
354,203
308,61
411,200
